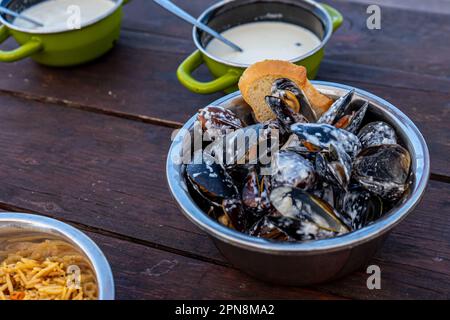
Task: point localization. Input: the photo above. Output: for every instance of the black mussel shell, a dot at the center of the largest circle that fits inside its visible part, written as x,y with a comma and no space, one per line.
334,166
211,181
298,204
294,97
377,133
291,169
360,206
383,170
327,192
285,115
281,228
235,214
337,109
321,136
352,121
216,120
255,193
249,145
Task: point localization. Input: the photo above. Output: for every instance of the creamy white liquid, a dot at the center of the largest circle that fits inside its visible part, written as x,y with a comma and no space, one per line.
59,15
264,40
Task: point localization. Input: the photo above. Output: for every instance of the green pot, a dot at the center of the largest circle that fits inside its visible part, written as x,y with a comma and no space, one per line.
65,47
321,19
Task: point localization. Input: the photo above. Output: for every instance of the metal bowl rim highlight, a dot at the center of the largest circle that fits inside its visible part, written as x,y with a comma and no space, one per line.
421,159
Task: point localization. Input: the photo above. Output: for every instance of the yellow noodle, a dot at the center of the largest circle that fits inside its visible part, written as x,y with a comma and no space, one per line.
38,271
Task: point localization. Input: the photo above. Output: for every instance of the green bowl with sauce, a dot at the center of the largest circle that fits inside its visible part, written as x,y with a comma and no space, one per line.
61,46
320,19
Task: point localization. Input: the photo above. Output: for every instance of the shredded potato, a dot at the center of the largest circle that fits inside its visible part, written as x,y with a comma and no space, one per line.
39,271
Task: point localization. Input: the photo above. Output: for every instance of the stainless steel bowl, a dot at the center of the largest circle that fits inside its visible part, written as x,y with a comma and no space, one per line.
315,261
17,224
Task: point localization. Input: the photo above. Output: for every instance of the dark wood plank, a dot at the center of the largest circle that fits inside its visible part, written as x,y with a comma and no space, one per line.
131,77
145,273
138,79
435,6
414,264
397,45
106,174
130,89
92,169
430,111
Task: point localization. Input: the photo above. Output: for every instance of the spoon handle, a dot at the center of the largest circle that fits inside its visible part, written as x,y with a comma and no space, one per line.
170,6
19,16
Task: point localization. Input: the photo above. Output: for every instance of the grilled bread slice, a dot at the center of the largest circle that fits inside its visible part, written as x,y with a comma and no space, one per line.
256,83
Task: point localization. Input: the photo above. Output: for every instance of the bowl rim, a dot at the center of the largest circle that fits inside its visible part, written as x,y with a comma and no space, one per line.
118,4
41,224
316,5
350,240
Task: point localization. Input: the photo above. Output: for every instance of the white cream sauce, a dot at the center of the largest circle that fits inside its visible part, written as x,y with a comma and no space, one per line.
59,15
265,40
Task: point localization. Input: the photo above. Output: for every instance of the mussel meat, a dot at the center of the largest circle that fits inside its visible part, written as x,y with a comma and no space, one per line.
341,116
285,115
294,97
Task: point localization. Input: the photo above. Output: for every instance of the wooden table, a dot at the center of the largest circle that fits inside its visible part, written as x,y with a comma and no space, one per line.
87,145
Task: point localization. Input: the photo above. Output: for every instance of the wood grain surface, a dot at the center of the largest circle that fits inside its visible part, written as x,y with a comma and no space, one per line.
87,145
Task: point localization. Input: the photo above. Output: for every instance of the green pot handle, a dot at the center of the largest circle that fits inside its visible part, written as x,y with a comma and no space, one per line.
336,17
27,49
194,61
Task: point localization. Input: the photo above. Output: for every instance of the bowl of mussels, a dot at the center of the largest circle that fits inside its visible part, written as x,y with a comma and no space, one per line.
299,200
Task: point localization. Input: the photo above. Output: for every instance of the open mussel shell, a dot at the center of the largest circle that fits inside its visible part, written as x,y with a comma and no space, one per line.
285,115
344,115
294,97
323,136
377,133
383,170
291,169
353,120
337,109
298,204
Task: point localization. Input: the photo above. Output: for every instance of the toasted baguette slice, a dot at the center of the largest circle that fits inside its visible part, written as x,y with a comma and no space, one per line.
256,83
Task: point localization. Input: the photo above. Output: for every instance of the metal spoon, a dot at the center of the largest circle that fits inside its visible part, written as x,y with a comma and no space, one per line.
170,6
19,16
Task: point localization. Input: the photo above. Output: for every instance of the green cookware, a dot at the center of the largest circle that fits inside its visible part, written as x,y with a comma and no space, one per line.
321,19
60,48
